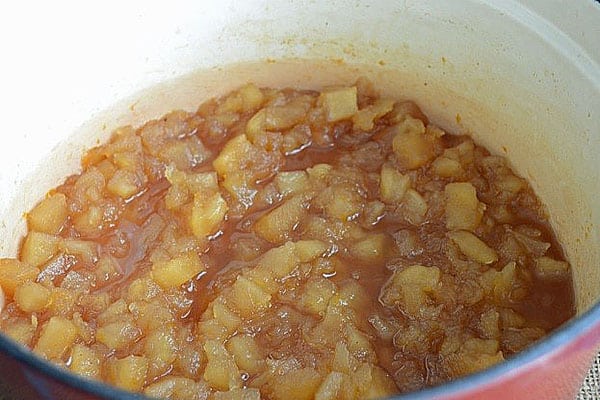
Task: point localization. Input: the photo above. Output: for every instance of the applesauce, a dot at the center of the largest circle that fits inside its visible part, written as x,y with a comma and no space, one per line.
286,244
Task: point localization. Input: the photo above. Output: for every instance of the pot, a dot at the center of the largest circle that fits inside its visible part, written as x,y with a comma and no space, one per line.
522,77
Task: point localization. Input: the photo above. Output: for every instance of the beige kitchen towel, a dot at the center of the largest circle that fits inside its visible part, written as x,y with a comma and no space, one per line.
590,390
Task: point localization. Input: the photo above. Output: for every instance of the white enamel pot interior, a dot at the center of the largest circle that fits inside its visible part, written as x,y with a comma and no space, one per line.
522,77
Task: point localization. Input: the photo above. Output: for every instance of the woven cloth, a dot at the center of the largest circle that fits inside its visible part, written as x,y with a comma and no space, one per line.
590,390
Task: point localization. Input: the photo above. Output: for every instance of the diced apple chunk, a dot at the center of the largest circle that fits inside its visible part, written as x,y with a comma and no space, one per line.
238,394
85,362
373,213
184,185
463,209
550,269
406,109
118,335
225,317
413,148
489,324
128,373
142,288
473,355
184,154
316,296
473,247
62,301
247,298
385,328
90,221
308,250
211,329
256,126
14,273
279,262
38,248
380,386
160,349
228,160
341,201
499,284
447,167
21,331
319,172
365,118
208,213
56,338
221,371
86,250
292,182
343,361
339,104
415,207
330,387
178,388
32,297
280,117
329,330
241,164
353,295
299,384
175,272
359,343
246,353
151,316
49,215
126,161
114,312
392,184
372,249
247,98
124,184
252,97
409,288
278,224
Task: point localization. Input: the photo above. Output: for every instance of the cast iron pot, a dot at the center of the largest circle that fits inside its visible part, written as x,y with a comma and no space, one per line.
522,77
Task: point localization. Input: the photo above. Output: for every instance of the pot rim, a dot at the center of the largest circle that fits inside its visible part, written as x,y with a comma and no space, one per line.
570,332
